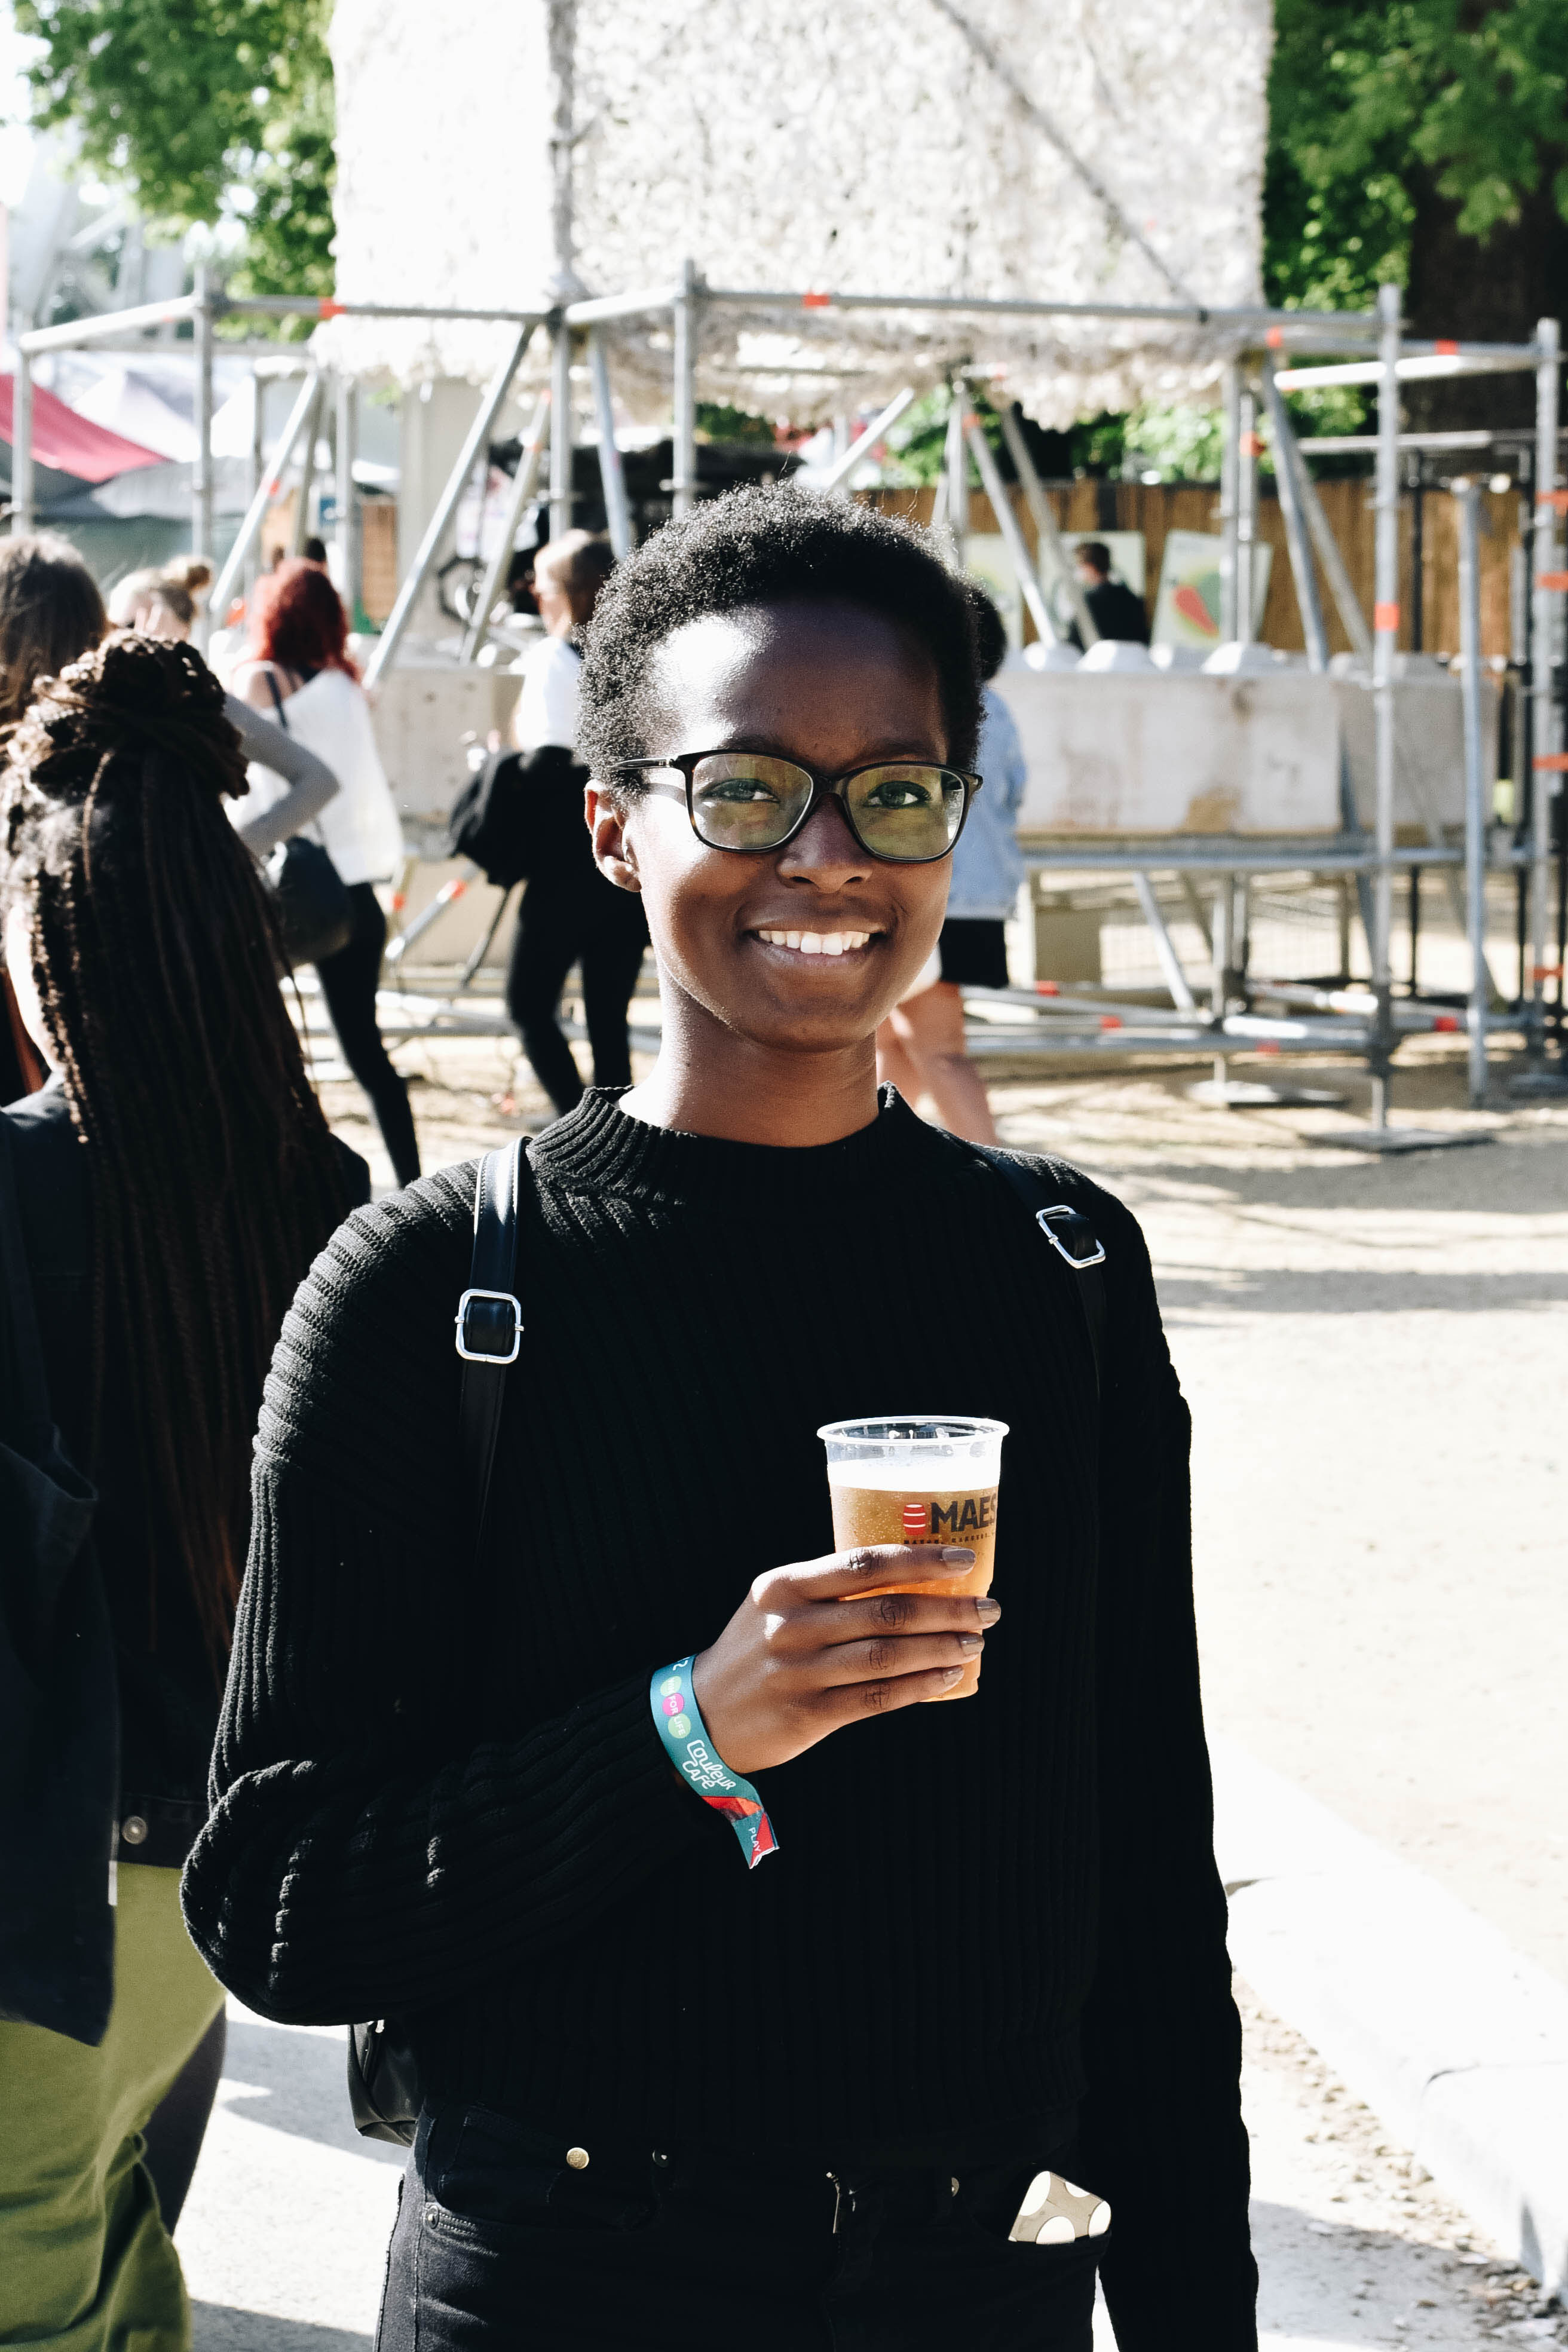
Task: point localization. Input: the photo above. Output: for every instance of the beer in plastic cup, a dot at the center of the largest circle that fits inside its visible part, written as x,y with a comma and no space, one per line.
919,1479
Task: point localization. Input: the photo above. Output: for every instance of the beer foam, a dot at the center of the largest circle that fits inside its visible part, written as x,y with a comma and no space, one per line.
920,1474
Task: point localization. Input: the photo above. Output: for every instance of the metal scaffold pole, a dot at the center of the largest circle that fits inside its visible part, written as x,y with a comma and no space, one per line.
1007,523
202,470
477,441
561,492
266,489
1468,498
1288,469
683,436
1246,449
1047,537
525,482
1385,644
612,473
21,491
1230,451
345,504
1546,709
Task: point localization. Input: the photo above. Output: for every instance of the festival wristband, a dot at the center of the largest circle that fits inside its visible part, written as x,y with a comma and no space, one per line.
686,1740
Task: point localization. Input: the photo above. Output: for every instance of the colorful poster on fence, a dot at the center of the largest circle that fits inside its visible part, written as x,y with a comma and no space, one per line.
1186,611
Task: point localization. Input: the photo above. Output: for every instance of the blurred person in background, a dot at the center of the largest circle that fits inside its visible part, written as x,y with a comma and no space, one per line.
920,1045
1115,611
299,670
174,1180
163,601
570,914
50,611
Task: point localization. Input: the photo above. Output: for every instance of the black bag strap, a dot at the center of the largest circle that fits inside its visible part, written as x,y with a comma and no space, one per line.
490,1321
269,675
1072,1236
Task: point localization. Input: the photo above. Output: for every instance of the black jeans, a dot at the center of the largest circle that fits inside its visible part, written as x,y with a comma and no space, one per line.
349,982
499,2243
576,917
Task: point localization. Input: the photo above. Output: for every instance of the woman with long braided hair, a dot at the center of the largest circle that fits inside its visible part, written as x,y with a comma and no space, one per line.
174,1180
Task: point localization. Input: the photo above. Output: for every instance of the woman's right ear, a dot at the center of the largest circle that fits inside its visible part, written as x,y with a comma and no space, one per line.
613,854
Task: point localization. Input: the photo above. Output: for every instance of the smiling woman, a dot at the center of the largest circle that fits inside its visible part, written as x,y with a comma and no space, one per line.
804,2102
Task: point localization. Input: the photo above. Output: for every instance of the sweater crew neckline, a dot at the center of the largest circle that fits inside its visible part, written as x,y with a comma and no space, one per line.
602,1148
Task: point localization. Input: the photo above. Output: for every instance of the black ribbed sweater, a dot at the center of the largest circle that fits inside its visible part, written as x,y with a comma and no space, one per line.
438,1790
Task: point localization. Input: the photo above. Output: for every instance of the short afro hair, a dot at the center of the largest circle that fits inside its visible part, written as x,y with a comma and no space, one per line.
769,547
990,631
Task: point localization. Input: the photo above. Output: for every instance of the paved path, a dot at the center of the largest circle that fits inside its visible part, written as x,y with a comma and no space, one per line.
1375,1351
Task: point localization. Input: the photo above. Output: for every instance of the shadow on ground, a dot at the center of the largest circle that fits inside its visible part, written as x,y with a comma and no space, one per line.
294,2080
218,2327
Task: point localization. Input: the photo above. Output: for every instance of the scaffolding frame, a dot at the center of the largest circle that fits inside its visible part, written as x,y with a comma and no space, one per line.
1256,338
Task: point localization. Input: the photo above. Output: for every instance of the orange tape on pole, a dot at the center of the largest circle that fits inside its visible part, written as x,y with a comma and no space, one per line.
816,302
1553,763
1446,347
1384,616
1556,581
1558,499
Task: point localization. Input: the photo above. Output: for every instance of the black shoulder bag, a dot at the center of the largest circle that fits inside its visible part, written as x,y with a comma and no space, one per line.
384,2089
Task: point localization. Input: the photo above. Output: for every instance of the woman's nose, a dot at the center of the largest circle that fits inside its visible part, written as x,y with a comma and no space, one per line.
825,849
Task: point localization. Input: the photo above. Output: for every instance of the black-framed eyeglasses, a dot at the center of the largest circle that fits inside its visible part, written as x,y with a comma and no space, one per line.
906,812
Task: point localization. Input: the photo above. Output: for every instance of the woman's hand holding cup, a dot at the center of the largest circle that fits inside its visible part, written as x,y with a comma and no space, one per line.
811,1648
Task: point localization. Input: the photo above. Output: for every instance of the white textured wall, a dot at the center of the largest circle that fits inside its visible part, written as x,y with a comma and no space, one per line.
864,147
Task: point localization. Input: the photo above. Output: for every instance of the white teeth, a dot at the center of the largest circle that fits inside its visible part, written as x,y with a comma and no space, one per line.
833,943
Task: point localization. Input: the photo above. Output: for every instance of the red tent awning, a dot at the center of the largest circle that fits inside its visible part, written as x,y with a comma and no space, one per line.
70,444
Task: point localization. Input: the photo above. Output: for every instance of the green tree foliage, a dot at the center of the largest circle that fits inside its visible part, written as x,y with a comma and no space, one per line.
211,112
1374,108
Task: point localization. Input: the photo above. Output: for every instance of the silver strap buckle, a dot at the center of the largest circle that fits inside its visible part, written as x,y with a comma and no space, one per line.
1073,1220
488,1355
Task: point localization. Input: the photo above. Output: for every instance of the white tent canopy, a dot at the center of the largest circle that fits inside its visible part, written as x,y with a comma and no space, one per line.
1075,150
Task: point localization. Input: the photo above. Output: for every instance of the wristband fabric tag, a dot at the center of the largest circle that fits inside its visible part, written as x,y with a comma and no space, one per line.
689,1750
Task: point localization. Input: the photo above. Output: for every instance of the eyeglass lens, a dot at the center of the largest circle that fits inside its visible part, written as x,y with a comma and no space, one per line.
905,812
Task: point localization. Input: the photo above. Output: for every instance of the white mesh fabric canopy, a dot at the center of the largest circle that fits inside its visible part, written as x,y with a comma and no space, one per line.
894,146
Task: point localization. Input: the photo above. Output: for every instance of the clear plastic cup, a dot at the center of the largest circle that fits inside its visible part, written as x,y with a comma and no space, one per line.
919,1479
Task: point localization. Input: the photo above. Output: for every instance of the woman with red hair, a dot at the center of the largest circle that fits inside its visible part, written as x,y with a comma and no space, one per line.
300,672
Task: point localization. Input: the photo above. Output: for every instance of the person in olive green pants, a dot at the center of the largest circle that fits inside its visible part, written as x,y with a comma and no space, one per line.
86,2264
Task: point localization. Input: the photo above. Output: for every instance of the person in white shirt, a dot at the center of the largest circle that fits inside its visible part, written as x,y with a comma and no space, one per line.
570,914
920,1046
299,671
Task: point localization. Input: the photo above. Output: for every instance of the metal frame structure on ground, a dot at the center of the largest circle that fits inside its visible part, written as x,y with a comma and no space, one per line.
1254,339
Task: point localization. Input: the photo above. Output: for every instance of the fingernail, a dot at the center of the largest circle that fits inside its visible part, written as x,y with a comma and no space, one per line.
970,1641
954,1675
987,1610
958,1551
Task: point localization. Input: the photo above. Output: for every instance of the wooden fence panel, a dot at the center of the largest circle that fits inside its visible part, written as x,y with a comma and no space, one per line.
1158,507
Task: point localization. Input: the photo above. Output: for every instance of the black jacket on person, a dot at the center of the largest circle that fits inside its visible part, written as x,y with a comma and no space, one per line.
129,1601
439,1791
1116,611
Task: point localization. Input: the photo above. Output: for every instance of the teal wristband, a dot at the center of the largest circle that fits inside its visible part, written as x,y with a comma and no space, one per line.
689,1750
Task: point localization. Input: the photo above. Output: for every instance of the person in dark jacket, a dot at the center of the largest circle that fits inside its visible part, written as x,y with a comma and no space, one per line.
569,913
1115,611
174,1178
802,2103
